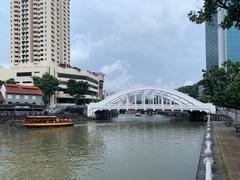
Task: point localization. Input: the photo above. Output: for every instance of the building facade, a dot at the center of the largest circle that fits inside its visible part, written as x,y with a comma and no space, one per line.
40,43
221,45
215,39
211,38
233,44
40,32
23,76
15,94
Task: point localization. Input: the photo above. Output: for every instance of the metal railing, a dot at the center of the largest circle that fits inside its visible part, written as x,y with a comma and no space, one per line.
208,160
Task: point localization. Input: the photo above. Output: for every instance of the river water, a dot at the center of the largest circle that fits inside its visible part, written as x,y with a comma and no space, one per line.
127,148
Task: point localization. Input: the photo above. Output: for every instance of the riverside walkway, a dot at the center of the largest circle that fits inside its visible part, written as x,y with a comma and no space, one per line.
228,142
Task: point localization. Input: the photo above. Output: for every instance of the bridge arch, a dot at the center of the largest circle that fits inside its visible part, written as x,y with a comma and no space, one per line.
150,98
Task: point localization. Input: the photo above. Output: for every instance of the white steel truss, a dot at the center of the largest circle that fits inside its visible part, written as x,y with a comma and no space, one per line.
146,98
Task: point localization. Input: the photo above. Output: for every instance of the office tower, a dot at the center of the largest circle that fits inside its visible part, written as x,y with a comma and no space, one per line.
215,42
233,44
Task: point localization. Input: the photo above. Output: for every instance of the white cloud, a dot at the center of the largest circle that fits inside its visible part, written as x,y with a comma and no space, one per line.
82,47
118,83
118,65
188,83
118,76
164,84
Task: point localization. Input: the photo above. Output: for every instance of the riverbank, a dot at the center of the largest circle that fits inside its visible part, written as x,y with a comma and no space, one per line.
217,170
228,143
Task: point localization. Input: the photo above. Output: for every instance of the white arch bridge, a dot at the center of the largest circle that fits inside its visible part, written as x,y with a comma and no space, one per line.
150,98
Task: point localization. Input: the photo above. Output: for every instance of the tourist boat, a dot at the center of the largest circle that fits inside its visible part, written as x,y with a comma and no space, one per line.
44,121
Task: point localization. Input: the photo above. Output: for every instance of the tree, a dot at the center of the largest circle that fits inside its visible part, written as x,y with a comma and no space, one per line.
10,81
219,82
211,7
232,94
190,90
1,83
77,89
48,84
204,98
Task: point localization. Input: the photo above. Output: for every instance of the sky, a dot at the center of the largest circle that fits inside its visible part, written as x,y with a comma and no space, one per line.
135,43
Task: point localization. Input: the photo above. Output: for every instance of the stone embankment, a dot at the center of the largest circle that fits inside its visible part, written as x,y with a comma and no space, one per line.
225,146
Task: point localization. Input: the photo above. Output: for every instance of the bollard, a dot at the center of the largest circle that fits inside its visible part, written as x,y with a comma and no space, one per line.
209,117
208,123
208,164
208,129
208,136
208,151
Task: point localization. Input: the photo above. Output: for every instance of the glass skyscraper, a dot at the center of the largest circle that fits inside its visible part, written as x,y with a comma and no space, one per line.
211,35
233,44
221,45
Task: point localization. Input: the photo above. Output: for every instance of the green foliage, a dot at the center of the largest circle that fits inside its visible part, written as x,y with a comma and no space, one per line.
210,8
224,167
77,89
232,93
222,85
10,81
48,84
1,83
190,90
204,98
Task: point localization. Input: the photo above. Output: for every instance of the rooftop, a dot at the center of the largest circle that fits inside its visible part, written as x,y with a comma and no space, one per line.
17,89
1,97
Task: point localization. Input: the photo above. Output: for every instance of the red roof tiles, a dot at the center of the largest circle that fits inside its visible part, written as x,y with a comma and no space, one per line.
1,97
16,89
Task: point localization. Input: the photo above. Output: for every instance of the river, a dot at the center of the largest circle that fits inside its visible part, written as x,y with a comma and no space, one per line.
127,148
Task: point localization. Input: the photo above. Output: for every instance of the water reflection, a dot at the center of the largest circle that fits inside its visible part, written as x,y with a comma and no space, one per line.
127,148
47,153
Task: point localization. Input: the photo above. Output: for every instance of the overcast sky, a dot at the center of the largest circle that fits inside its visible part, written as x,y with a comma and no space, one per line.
134,42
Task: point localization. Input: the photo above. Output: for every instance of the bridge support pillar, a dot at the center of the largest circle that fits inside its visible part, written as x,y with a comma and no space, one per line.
106,114
197,116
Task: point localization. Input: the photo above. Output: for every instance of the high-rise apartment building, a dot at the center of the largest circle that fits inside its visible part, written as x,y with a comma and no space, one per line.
221,45
40,43
40,32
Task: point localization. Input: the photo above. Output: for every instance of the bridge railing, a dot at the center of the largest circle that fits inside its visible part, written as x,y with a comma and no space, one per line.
153,107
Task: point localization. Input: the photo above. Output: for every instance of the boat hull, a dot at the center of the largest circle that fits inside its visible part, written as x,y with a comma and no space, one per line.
39,125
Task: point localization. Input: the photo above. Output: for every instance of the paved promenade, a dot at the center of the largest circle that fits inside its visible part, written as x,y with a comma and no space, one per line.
228,142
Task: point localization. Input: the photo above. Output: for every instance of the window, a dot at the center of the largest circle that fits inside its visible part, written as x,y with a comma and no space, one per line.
25,97
72,76
34,97
17,97
21,74
10,96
